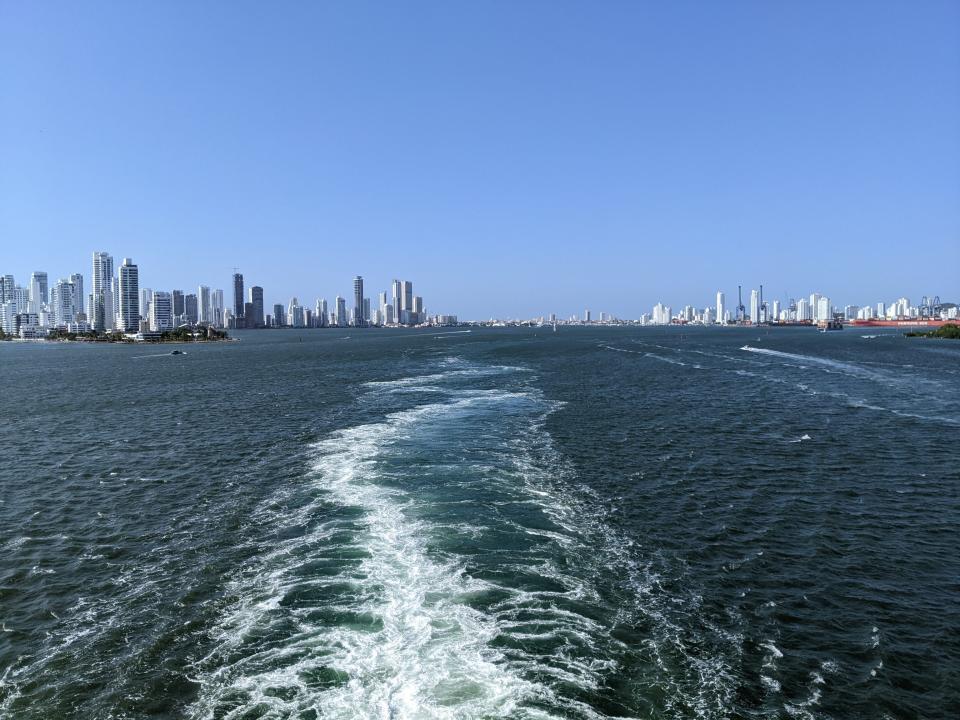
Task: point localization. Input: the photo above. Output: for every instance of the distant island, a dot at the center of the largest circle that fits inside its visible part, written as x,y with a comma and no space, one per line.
949,331
180,335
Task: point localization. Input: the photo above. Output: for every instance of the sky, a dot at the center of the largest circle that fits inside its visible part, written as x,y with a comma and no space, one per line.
512,159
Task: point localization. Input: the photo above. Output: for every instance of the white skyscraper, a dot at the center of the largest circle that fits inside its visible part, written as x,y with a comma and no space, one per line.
76,281
62,303
161,311
38,291
824,311
721,306
102,311
128,297
776,311
755,306
216,302
320,313
397,290
204,306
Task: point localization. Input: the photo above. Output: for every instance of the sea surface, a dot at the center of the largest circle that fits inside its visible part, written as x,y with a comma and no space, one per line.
496,523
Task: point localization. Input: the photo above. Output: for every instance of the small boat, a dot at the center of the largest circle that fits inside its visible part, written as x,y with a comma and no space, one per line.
177,352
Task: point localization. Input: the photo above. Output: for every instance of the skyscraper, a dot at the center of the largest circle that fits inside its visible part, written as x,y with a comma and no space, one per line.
279,316
102,318
34,303
146,296
161,312
39,280
397,291
407,295
204,307
62,301
190,309
238,295
6,288
178,309
721,306
321,313
217,303
256,299
340,311
358,314
755,307
128,296
76,282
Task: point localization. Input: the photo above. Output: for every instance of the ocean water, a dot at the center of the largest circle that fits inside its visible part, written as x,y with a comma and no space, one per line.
593,523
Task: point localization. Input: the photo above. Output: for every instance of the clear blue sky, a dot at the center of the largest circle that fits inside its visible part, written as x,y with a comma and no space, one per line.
511,158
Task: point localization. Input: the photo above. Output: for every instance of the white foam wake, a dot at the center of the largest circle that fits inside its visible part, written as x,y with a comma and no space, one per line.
405,646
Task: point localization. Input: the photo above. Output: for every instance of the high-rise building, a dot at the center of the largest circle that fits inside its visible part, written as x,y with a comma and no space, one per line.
366,311
38,280
776,311
721,306
279,316
824,309
178,309
216,302
256,300
128,297
358,314
755,307
34,303
102,313
190,309
320,315
407,303
238,295
6,288
204,306
815,306
586,316
397,292
161,311
146,295
76,281
340,312
62,302
295,316
8,317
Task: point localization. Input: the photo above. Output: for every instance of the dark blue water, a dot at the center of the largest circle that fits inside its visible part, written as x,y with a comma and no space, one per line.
594,523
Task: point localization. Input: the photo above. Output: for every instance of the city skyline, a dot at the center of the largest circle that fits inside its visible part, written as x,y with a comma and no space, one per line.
271,297
118,303
519,160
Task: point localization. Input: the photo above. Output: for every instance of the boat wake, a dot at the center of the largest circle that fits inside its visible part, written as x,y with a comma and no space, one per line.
422,573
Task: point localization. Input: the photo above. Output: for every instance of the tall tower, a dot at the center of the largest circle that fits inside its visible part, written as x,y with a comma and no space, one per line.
76,280
397,291
129,296
102,292
721,306
204,306
256,299
39,282
754,307
358,315
238,295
